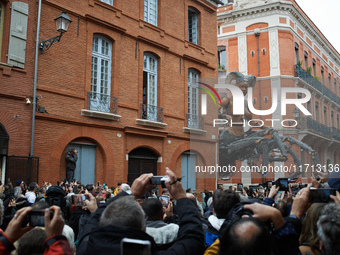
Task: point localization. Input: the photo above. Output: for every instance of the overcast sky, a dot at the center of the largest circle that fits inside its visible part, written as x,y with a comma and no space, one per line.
325,15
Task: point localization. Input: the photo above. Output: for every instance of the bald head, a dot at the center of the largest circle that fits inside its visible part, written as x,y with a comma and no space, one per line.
246,232
246,236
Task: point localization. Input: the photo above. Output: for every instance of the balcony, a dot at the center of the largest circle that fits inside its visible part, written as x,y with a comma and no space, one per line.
305,76
195,125
307,123
151,115
101,106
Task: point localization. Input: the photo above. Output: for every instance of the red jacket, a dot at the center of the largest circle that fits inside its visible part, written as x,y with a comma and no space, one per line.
55,245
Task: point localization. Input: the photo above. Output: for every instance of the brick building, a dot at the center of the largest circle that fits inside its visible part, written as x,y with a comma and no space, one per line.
278,43
120,87
17,41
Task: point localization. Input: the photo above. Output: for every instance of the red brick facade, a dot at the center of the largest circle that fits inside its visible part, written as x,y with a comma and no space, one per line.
64,80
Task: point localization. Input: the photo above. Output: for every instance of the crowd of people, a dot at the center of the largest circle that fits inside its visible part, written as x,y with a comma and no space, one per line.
72,218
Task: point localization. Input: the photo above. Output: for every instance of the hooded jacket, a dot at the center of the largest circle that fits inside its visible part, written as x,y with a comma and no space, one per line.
106,240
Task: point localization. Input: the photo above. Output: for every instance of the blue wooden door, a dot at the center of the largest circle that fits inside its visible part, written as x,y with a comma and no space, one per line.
85,166
188,165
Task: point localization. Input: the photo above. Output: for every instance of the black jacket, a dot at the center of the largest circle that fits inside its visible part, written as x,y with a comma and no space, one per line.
71,160
106,240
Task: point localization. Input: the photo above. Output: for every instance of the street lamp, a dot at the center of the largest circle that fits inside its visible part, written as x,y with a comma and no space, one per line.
62,23
296,113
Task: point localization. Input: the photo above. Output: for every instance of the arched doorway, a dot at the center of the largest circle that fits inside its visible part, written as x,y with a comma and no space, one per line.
86,163
141,160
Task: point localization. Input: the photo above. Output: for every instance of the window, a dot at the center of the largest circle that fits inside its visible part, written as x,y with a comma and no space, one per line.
16,55
306,60
222,59
150,87
108,1
332,119
150,11
193,78
335,86
101,74
296,53
218,30
317,111
330,81
337,121
192,26
225,2
325,115
1,24
314,67
322,75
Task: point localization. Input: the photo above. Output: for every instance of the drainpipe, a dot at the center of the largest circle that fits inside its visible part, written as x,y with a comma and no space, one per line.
35,79
257,34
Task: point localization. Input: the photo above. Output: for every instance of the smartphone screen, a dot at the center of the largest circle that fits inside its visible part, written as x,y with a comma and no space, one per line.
78,200
282,183
239,187
280,195
164,200
320,195
135,246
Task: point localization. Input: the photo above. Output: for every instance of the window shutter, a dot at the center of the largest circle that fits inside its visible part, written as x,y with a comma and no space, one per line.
18,34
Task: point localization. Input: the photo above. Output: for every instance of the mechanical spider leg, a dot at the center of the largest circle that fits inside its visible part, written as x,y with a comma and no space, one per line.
296,160
304,146
280,145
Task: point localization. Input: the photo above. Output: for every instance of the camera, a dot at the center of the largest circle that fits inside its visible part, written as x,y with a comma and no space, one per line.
321,195
159,180
37,217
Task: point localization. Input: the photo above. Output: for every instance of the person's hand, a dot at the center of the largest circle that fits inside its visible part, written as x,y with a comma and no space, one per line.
75,152
300,204
14,229
11,203
174,186
91,204
290,195
54,226
273,191
336,198
244,192
316,183
169,211
266,213
141,185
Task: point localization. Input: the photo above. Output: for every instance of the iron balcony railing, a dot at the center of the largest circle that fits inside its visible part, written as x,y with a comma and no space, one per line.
151,112
308,123
195,121
335,133
102,103
307,77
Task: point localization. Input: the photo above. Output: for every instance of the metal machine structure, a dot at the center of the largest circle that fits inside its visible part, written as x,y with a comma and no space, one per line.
259,147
